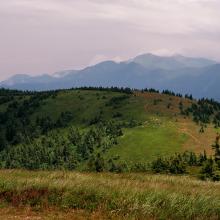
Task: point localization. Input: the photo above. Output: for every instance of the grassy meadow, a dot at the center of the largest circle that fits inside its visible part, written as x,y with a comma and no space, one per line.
145,143
108,196
163,130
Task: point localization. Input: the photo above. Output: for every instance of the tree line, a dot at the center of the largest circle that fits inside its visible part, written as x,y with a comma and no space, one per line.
203,111
16,125
179,163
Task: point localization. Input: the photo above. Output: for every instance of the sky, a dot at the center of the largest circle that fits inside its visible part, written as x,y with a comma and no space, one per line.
46,36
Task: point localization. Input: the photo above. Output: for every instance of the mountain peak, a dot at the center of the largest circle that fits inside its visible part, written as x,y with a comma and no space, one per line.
175,72
174,62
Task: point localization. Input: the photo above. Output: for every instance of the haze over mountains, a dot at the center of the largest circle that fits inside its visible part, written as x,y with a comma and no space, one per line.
197,76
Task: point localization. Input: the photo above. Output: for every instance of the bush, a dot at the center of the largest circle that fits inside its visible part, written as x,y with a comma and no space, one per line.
160,165
209,170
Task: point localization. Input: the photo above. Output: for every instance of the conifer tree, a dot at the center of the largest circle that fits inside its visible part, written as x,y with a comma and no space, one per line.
216,147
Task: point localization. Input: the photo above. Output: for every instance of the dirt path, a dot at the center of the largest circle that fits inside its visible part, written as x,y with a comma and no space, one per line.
184,130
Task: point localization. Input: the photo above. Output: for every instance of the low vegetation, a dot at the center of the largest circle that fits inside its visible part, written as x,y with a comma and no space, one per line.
124,196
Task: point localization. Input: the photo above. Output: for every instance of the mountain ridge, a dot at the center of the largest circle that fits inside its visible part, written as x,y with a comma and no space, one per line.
179,73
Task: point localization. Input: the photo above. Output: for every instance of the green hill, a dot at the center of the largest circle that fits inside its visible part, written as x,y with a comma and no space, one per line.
119,138
153,124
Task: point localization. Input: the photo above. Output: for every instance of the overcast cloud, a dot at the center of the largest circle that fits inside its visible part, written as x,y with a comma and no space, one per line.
45,36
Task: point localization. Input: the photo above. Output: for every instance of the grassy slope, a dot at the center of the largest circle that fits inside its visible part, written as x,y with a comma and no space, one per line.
125,196
85,105
164,130
147,142
137,144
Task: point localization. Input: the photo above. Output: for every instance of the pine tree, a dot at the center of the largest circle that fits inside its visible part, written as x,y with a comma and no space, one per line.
192,159
74,136
216,147
208,170
202,158
99,163
3,142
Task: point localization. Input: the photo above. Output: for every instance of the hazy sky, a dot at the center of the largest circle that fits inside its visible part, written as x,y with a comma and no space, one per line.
44,36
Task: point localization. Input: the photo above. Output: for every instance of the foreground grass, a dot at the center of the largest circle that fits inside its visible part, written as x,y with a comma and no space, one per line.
123,196
28,213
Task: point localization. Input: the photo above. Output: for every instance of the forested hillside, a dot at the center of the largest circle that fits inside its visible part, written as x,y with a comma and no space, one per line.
113,141
105,129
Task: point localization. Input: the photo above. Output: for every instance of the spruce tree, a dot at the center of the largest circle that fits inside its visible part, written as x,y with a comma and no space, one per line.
216,147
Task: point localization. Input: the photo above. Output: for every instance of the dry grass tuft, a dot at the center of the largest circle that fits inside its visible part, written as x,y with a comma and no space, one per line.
123,196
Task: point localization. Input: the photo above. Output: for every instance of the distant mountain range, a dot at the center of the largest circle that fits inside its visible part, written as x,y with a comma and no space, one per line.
197,76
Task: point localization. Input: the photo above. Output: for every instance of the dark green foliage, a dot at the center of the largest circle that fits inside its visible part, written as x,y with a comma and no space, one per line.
64,119
178,163
3,141
97,119
45,123
117,101
168,92
102,137
113,165
15,124
151,90
6,99
117,115
209,170
175,165
51,152
139,167
112,89
96,163
204,111
160,165
191,159
58,151
187,96
216,120
216,147
74,136
202,158
211,167
132,123
19,123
